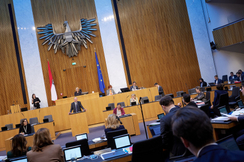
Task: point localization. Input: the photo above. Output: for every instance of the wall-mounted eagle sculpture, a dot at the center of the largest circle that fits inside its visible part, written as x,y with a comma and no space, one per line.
71,41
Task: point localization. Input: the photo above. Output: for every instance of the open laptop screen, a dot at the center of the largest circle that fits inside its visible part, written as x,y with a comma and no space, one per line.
122,141
19,159
228,143
81,136
160,115
155,130
72,153
240,103
223,110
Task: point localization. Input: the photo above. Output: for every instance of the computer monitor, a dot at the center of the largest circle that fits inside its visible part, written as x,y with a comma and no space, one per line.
72,153
122,141
155,130
133,103
125,89
223,110
4,128
81,136
108,108
160,115
17,125
240,103
19,159
23,109
45,120
228,143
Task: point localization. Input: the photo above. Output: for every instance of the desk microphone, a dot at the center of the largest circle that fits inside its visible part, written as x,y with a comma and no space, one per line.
119,119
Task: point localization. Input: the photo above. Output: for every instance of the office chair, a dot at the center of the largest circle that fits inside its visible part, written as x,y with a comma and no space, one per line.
225,78
180,93
205,108
9,126
112,134
158,97
33,121
148,150
111,105
144,100
171,95
49,117
32,129
223,101
82,143
235,94
192,91
122,104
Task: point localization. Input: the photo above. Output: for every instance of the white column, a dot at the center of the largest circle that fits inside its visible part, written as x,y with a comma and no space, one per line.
110,43
201,40
30,51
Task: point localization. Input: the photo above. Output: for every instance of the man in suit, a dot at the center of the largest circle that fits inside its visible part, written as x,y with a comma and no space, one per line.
240,134
170,143
187,101
201,95
76,106
194,129
160,89
133,87
239,77
202,83
217,80
232,77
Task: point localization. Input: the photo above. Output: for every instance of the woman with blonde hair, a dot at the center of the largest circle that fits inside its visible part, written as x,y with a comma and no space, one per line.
43,149
113,123
133,99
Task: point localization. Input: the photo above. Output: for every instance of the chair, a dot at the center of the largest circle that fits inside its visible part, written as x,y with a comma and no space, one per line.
235,94
111,105
205,108
122,104
9,126
49,117
158,97
82,143
32,129
148,150
208,95
192,91
112,134
171,95
225,78
33,121
223,101
144,100
180,93
208,89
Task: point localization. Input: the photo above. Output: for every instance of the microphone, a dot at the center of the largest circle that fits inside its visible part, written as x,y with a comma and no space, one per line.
119,119
126,100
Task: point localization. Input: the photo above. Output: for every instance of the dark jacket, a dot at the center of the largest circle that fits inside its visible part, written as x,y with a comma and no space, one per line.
74,109
78,93
110,129
217,94
193,104
170,142
219,81
203,84
28,130
160,91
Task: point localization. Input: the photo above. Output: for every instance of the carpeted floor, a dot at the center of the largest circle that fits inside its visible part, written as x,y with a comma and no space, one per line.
94,132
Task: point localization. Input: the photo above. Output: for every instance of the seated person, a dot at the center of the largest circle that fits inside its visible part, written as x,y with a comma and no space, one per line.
78,91
202,83
19,147
76,106
240,134
43,148
133,99
217,80
36,101
25,128
187,101
134,87
239,77
220,90
119,111
232,77
171,143
160,89
194,129
110,91
200,94
113,123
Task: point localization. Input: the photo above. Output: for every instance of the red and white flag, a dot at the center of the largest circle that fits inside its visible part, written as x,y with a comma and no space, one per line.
52,86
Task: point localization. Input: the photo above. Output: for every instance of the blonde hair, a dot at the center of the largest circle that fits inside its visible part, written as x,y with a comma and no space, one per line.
112,122
42,138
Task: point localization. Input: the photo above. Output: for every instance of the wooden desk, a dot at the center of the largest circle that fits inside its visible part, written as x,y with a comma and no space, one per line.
129,122
69,100
78,123
216,127
98,145
5,135
48,125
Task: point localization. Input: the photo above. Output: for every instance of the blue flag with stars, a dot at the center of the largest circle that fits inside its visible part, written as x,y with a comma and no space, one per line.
100,76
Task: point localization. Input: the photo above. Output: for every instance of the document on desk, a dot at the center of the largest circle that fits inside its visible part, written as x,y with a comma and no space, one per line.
221,118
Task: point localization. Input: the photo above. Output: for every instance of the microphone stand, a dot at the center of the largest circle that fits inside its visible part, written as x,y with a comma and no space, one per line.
143,118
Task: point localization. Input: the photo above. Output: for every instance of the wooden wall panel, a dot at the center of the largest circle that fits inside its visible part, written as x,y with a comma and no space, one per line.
56,12
229,35
10,86
159,43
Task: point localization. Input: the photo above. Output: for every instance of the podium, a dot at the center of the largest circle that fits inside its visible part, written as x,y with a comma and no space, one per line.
78,123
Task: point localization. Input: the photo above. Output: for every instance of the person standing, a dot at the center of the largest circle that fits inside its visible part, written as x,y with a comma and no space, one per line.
160,89
76,106
36,101
202,83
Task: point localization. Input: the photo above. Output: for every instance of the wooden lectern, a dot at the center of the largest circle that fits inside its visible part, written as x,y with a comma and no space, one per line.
78,123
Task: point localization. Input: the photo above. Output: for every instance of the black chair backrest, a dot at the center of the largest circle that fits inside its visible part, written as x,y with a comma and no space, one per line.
171,95
122,104
223,101
205,108
158,97
208,95
112,134
235,91
82,143
148,150
111,105
225,78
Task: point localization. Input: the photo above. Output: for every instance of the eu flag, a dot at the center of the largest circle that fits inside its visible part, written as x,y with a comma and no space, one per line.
100,76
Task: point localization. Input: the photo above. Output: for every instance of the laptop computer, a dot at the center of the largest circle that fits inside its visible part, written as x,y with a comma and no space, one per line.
160,116
81,136
4,128
155,130
19,159
125,89
133,103
72,153
240,104
223,111
108,108
228,143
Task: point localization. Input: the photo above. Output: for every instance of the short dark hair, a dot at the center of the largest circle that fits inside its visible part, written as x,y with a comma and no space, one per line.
118,104
134,82
193,125
220,86
187,98
155,83
216,76
232,72
166,101
238,72
198,87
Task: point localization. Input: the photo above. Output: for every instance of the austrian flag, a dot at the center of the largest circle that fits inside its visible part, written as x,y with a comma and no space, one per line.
52,86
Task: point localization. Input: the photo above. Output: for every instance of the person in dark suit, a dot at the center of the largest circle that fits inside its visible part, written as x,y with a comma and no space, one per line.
202,83
194,129
201,95
112,123
239,77
160,89
217,80
220,90
78,91
170,143
25,128
187,101
134,87
232,77
76,106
